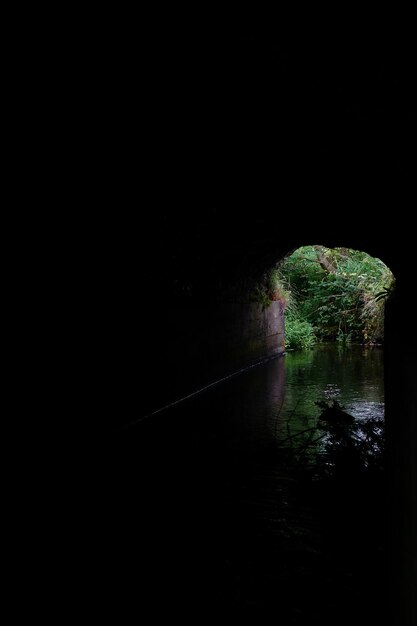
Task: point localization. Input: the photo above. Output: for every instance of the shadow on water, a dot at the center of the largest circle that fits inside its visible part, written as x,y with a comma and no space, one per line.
318,384
307,490
354,377
224,507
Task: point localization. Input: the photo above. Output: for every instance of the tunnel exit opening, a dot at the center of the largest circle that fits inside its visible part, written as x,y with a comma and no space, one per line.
331,295
333,304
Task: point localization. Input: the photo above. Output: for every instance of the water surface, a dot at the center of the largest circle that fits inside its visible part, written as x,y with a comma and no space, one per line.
351,376
216,485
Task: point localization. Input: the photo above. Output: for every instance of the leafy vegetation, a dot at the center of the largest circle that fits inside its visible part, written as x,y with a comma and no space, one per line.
271,288
332,295
298,333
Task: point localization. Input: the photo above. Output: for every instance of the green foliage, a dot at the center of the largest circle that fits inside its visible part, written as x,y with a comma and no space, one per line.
299,334
340,292
343,338
384,294
259,294
277,289
270,289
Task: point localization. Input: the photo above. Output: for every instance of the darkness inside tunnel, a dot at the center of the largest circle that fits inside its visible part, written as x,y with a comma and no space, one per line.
187,175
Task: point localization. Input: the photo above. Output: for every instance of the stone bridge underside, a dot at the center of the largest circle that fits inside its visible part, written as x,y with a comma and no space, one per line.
249,149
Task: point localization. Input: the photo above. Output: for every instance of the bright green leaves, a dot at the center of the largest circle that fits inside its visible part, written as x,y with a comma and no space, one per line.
339,293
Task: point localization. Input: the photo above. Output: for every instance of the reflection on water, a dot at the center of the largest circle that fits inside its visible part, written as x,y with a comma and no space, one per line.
277,536
353,377
268,405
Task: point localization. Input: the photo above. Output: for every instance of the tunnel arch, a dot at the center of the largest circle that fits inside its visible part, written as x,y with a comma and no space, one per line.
303,137
400,374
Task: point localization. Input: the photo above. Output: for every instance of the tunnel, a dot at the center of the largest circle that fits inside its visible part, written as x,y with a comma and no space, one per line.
248,148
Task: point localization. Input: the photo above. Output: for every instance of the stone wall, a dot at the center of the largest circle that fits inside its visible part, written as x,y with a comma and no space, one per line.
196,346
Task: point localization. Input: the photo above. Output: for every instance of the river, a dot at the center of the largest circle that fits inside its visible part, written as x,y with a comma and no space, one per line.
215,512
274,401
